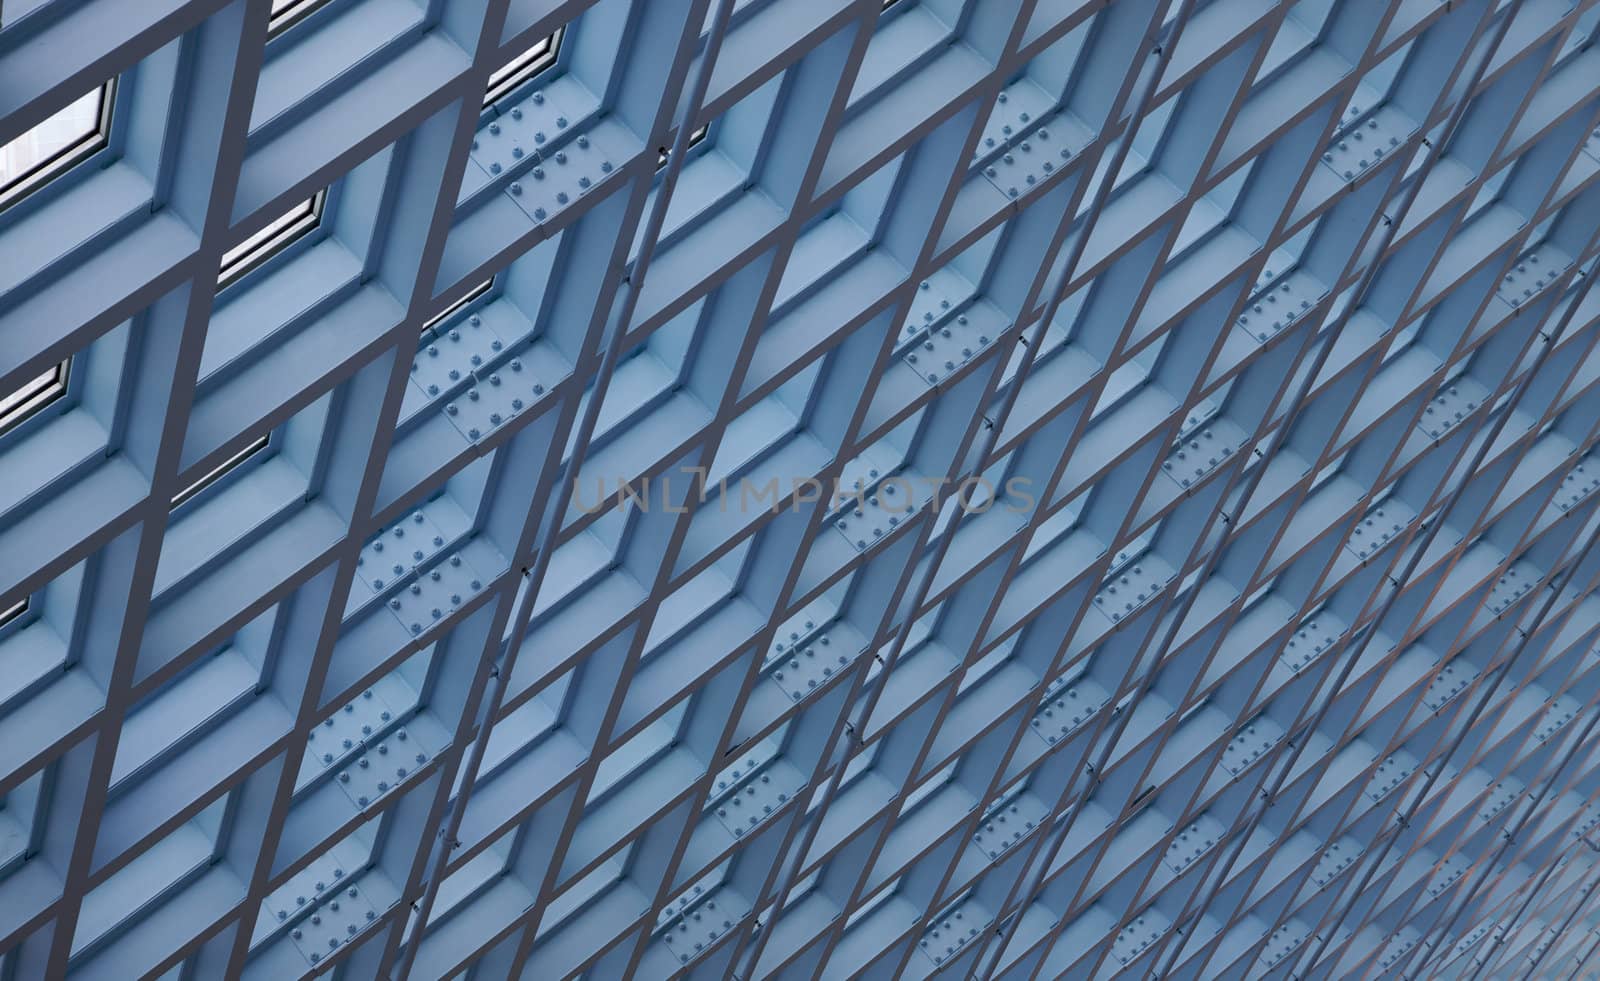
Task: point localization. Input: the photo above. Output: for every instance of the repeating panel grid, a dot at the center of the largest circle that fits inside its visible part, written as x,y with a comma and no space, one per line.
799,488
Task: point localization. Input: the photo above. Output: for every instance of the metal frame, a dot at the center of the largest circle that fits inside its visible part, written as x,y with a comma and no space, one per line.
64,159
1265,648
511,76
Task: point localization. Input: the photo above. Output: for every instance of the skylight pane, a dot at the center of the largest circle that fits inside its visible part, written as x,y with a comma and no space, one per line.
455,307
286,13
13,611
33,396
220,470
695,137
54,145
271,240
523,67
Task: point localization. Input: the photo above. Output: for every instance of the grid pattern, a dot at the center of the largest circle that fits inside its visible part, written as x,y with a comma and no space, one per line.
801,488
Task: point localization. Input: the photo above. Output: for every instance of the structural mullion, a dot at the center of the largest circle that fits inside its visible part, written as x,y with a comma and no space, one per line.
1247,591
157,431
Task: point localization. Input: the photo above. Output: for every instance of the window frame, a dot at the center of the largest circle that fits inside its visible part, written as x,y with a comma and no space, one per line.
696,138
45,390
508,78
279,21
15,612
222,470
472,296
54,387
253,257
68,157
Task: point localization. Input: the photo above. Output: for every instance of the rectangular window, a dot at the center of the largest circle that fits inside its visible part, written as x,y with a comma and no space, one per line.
13,611
33,396
287,13
508,78
694,138
221,470
27,163
55,145
15,407
271,240
456,307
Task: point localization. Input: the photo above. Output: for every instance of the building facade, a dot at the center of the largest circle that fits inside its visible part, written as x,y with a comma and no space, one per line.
799,489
